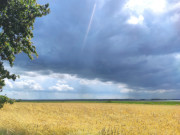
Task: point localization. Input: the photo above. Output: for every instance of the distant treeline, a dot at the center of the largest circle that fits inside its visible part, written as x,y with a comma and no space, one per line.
61,100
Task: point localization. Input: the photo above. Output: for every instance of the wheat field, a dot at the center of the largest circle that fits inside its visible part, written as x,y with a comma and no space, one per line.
89,119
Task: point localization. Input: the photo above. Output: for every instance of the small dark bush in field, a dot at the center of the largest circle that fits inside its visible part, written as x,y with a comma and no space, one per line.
11,101
4,100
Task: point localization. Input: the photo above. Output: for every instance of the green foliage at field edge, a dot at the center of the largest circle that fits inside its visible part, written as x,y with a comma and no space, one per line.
111,101
4,100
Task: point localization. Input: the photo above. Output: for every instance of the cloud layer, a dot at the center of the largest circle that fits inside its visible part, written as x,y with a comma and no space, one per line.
130,45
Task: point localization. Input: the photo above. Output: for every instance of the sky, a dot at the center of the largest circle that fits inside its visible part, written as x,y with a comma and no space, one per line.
96,49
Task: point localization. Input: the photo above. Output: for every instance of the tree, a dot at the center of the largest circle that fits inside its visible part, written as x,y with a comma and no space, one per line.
16,24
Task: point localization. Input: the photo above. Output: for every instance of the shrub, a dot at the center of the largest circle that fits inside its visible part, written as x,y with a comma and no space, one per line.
4,100
11,101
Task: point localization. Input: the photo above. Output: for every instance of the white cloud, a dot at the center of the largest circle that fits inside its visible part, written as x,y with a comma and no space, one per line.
160,91
157,91
63,76
124,88
28,84
61,81
8,83
135,20
88,82
83,81
61,87
23,84
139,6
173,6
177,56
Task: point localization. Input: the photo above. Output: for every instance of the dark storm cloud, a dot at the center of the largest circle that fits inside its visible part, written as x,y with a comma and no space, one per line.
141,56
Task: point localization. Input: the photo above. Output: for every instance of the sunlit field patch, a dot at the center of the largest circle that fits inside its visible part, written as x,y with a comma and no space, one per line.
89,118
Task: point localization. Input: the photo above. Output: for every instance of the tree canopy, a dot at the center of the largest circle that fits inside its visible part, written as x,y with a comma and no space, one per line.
17,19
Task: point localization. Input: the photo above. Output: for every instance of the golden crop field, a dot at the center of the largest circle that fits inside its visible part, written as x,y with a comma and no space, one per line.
89,119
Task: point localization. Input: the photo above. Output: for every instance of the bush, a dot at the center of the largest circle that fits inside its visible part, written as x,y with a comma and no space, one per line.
11,101
4,100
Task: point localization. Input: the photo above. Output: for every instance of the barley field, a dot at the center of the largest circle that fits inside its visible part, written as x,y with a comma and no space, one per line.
89,119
